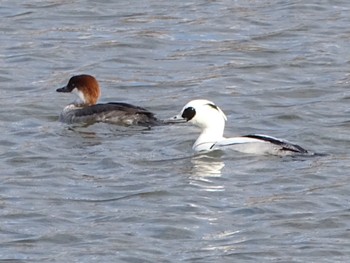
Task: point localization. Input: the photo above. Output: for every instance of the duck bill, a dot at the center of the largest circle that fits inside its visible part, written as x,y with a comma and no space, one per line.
175,119
63,89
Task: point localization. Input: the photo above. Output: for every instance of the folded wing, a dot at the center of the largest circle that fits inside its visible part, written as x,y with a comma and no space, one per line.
259,144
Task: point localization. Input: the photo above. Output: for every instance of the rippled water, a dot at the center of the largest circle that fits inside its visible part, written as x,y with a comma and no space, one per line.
109,194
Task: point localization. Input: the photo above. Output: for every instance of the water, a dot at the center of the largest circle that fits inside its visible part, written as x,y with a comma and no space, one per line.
109,194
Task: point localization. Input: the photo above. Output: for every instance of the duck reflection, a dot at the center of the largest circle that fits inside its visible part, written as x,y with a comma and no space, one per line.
206,166
204,170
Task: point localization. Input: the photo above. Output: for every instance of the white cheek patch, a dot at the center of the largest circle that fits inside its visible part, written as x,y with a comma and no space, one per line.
80,94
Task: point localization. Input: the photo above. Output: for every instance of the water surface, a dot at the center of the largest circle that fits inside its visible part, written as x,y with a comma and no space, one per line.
110,194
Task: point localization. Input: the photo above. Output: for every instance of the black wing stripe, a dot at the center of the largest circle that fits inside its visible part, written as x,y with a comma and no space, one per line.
286,146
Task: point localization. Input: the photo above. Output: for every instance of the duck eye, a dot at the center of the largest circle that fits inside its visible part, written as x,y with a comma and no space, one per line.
71,85
188,113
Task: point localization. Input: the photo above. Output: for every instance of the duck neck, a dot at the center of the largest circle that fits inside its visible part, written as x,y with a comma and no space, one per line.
208,137
81,103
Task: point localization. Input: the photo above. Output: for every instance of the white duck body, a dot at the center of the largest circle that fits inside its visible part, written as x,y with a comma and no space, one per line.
211,119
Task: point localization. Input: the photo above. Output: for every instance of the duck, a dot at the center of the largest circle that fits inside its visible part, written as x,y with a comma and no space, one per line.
85,108
211,120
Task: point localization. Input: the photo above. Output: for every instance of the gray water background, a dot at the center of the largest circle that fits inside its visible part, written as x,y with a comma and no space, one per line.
104,193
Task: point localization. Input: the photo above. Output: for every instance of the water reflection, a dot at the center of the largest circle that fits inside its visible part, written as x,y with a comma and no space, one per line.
206,166
205,169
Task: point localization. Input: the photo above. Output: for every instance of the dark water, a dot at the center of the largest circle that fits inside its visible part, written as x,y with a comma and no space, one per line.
109,194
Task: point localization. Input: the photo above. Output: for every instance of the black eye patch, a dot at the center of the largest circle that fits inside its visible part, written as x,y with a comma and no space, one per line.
188,113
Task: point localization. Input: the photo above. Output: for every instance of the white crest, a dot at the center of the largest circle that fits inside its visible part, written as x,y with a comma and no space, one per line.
206,113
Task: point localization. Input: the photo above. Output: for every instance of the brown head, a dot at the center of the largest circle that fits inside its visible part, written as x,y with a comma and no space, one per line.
85,86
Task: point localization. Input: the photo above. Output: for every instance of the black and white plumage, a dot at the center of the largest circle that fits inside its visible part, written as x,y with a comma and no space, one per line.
85,109
211,119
